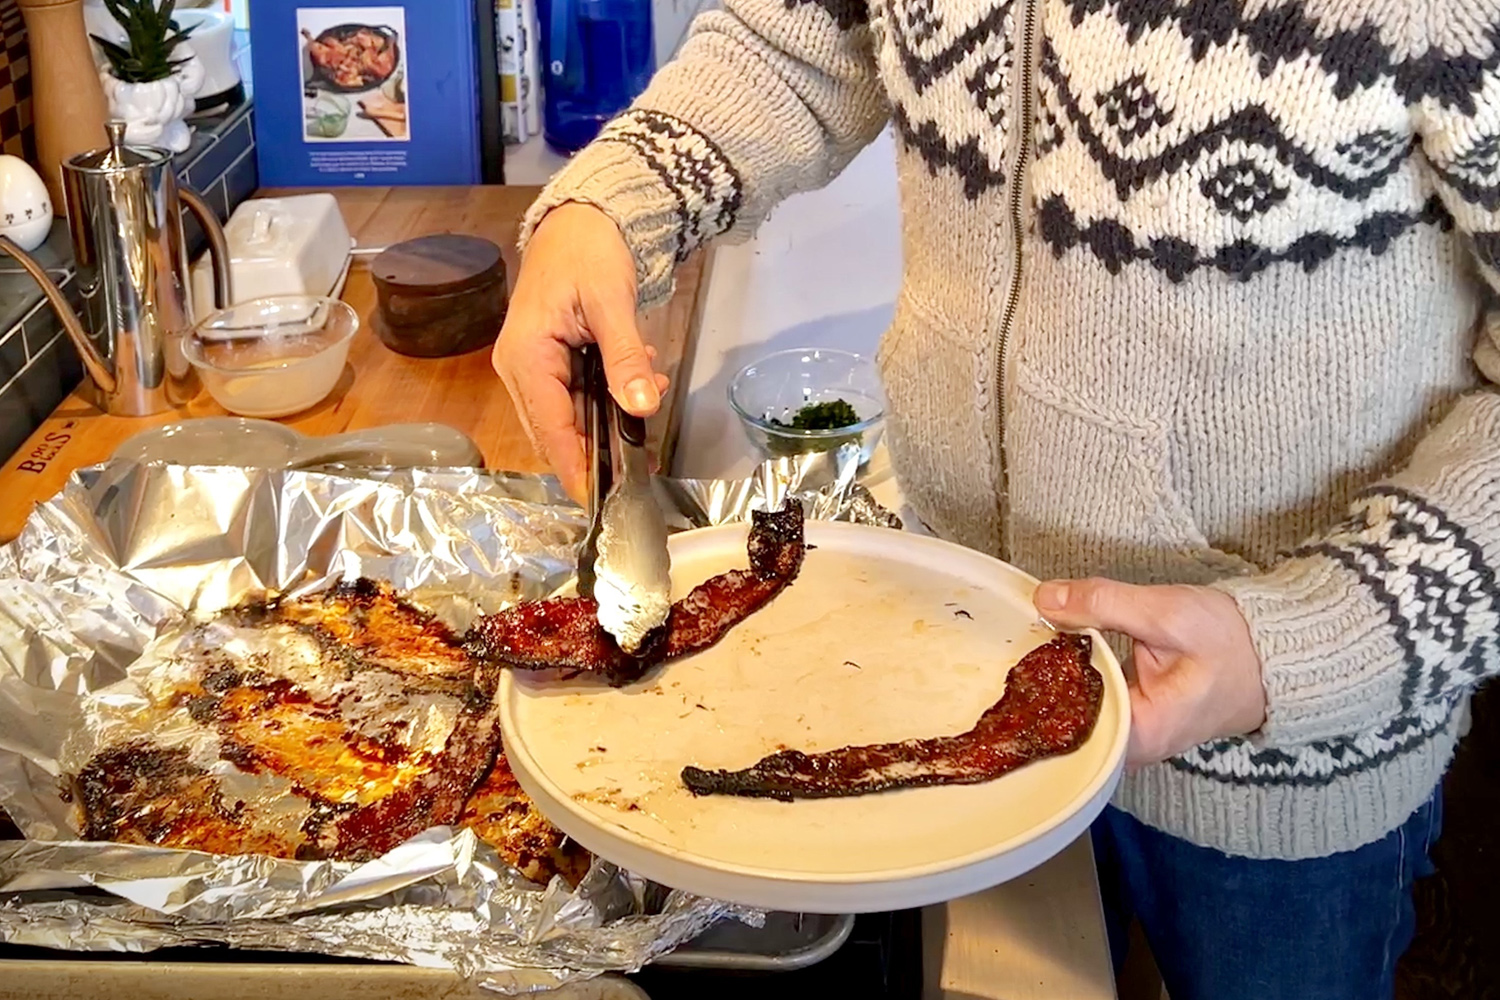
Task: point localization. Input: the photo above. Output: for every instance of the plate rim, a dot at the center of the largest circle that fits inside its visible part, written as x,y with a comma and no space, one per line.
1108,773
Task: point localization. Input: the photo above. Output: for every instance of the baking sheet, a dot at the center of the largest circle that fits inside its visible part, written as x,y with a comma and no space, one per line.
126,550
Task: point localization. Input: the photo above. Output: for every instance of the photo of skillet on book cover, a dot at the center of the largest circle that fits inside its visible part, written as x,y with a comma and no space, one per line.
354,93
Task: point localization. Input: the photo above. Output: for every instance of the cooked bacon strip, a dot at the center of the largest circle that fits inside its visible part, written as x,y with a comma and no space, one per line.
564,633
712,608
144,794
499,812
339,731
435,798
362,624
139,793
1051,702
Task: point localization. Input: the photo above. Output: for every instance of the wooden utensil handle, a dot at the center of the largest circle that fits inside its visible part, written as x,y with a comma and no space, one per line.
67,100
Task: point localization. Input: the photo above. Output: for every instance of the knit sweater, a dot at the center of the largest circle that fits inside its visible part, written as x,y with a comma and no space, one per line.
1195,292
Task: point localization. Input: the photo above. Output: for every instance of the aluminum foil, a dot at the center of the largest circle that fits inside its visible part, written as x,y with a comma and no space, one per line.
128,553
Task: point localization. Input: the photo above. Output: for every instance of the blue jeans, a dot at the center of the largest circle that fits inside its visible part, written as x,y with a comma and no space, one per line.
1234,928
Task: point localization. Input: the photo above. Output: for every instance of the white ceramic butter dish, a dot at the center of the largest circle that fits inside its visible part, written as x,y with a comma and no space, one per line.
298,245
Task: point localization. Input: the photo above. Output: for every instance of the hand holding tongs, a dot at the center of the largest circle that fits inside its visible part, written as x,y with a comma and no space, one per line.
623,564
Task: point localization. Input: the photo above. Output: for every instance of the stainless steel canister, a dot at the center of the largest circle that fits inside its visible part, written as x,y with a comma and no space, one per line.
124,214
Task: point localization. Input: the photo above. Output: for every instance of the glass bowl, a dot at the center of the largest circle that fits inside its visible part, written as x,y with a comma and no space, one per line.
767,394
273,357
328,118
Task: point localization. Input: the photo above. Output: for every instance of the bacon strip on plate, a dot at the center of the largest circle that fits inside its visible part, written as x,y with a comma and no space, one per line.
564,634
1051,702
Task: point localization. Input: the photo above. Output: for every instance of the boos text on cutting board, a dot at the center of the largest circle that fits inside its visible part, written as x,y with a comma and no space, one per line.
48,449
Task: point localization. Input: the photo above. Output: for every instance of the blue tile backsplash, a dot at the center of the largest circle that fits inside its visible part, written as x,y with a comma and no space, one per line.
12,354
215,161
38,364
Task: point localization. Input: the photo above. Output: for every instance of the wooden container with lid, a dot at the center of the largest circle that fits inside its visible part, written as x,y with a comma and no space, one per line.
67,102
438,296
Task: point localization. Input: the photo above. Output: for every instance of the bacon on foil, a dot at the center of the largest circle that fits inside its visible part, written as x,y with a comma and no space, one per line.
564,634
1050,705
367,708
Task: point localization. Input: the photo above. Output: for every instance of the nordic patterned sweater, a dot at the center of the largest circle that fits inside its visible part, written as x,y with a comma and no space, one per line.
1194,292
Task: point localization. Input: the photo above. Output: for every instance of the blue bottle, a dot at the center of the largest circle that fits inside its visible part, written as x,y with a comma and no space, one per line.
597,57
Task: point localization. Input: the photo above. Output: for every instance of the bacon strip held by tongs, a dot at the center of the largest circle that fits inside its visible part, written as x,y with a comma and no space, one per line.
1051,702
564,634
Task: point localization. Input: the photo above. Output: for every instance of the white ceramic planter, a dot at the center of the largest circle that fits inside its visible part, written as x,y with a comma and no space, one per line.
154,112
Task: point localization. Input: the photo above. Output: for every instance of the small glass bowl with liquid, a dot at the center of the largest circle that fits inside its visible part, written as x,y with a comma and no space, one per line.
768,394
273,357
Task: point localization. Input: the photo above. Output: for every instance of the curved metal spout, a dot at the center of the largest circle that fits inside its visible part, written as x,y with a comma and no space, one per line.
93,361
218,247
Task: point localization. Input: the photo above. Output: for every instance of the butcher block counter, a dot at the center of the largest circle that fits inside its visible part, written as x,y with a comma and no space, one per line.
378,386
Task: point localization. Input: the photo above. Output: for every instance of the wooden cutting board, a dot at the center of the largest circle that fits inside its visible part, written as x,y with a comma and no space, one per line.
379,386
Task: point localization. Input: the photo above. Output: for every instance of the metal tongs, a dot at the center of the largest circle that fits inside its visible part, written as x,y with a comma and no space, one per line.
623,564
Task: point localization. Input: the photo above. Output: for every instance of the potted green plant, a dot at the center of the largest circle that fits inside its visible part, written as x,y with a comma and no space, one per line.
150,74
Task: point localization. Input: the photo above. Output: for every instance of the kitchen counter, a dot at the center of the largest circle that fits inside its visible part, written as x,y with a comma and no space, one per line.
378,386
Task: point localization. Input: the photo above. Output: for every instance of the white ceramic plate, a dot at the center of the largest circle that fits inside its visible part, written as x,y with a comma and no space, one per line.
868,645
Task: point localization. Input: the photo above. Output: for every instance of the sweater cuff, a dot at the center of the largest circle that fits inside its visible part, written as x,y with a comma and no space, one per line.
664,184
1328,660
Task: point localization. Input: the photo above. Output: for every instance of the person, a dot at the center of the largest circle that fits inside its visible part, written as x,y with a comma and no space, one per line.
1196,325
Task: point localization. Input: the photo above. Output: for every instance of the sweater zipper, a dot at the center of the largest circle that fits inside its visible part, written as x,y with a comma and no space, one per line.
1013,295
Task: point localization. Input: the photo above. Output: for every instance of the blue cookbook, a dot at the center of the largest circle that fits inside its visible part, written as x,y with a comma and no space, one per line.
353,93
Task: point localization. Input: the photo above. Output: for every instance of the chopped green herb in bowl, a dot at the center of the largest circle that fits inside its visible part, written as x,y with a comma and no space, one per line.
810,400
829,416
